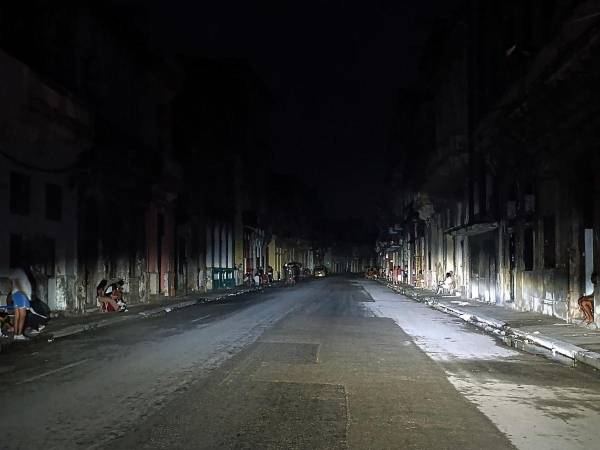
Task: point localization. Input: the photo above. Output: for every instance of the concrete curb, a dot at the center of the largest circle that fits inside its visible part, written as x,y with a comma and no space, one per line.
503,329
571,351
128,316
81,328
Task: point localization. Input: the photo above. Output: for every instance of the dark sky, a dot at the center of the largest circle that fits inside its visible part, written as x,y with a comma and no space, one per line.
334,69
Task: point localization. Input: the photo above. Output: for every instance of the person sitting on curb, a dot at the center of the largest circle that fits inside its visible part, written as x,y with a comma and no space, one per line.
447,285
6,326
115,291
586,303
106,301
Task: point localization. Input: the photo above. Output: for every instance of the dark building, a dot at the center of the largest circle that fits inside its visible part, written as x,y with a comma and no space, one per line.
128,179
222,141
508,196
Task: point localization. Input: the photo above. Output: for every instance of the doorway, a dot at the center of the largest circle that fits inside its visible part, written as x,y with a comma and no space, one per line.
588,237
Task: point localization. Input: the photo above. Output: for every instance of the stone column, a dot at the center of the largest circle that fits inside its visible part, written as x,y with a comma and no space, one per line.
596,197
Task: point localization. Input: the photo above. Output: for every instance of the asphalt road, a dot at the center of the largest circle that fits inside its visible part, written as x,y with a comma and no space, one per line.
328,364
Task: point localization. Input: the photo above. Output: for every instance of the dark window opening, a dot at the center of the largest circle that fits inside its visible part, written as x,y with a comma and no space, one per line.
160,229
474,259
54,202
90,231
549,242
511,252
46,252
181,256
528,249
16,254
19,193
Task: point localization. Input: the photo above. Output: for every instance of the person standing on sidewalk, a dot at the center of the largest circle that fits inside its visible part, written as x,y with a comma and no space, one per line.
20,294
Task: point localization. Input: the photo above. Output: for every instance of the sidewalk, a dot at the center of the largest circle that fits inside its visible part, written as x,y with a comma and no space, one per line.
69,326
575,341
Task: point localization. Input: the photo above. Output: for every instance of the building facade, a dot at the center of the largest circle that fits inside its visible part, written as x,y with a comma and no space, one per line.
505,197
43,134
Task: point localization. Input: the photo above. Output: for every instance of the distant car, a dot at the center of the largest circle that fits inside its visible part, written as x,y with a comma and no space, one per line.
320,271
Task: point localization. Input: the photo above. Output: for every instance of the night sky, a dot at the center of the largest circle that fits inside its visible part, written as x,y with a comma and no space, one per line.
334,69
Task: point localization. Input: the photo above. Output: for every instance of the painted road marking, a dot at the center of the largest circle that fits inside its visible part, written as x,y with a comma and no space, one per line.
50,372
200,318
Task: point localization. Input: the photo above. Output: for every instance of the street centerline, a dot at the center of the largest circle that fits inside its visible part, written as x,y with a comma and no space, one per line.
50,372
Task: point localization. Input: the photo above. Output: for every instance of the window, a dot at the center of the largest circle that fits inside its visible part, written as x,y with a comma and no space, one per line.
489,192
46,255
16,253
181,259
475,199
53,202
549,242
528,249
19,193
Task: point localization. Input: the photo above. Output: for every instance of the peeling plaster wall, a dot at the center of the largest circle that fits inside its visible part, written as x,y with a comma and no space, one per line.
42,131
545,291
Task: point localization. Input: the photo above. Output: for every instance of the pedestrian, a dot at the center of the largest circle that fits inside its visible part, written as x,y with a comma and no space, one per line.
264,278
248,279
21,296
257,278
420,279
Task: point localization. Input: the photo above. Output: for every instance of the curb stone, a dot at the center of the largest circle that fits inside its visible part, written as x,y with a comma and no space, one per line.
76,329
124,317
503,329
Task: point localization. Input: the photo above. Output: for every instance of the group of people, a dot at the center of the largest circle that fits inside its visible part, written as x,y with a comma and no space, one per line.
109,296
260,277
291,273
19,315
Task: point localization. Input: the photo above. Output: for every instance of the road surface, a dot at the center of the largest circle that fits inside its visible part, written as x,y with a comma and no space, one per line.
335,363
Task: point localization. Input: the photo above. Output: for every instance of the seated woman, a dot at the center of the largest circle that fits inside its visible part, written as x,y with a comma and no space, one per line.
106,302
119,293
447,285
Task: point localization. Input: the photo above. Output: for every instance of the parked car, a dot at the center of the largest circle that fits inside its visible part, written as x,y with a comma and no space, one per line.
320,271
